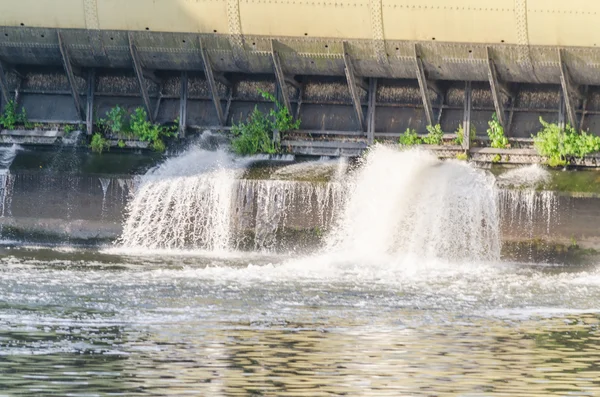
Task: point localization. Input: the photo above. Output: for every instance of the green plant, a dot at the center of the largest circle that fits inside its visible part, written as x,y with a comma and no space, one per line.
145,131
11,117
462,156
121,143
497,158
496,134
256,134
99,143
409,138
115,121
460,134
68,129
38,126
435,135
559,144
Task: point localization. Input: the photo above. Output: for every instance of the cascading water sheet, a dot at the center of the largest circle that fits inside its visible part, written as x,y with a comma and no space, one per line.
185,203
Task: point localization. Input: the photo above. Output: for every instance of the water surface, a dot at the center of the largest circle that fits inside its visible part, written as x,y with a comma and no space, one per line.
89,322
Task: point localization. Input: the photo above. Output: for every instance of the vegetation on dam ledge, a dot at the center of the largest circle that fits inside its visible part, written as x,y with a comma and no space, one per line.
136,126
256,134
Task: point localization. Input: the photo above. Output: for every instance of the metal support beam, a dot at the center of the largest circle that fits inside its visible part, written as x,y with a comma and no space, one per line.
467,117
89,113
69,70
210,77
139,73
498,87
280,77
570,91
183,104
561,110
299,103
353,86
371,111
586,94
423,86
3,86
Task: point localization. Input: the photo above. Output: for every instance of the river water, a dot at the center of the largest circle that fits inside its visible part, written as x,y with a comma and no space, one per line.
407,295
87,322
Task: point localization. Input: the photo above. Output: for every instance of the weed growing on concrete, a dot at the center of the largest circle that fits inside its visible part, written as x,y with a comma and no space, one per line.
460,134
409,138
256,134
115,121
558,145
145,131
68,129
121,143
496,134
99,143
462,156
435,135
497,158
11,117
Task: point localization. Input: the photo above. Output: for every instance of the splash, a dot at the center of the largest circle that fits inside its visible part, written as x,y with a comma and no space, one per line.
185,203
409,202
396,203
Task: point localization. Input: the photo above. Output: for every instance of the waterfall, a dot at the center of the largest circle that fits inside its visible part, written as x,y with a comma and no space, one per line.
396,202
524,203
185,203
7,156
409,202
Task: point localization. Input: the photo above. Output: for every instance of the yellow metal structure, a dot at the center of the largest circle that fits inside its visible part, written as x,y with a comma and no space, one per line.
532,22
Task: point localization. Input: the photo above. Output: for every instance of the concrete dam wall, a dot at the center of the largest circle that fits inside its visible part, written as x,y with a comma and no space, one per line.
352,72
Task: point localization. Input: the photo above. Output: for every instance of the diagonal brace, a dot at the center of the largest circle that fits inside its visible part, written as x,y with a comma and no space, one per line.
281,80
70,76
353,84
139,73
210,77
571,93
498,88
4,85
423,86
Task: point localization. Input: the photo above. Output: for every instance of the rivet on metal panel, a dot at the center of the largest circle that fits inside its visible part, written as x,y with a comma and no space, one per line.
236,37
523,35
90,9
377,31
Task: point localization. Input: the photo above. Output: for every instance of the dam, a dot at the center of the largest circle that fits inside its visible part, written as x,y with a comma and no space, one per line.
396,229
351,72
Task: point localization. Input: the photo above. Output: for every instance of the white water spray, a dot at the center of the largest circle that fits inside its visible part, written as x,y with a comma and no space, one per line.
412,203
185,203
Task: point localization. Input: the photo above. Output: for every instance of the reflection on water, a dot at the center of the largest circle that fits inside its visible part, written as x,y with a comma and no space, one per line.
75,322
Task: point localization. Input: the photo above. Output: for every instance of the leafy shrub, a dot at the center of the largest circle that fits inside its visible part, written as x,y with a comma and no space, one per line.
145,131
558,144
409,138
460,134
11,117
256,134
496,134
115,121
99,143
435,135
